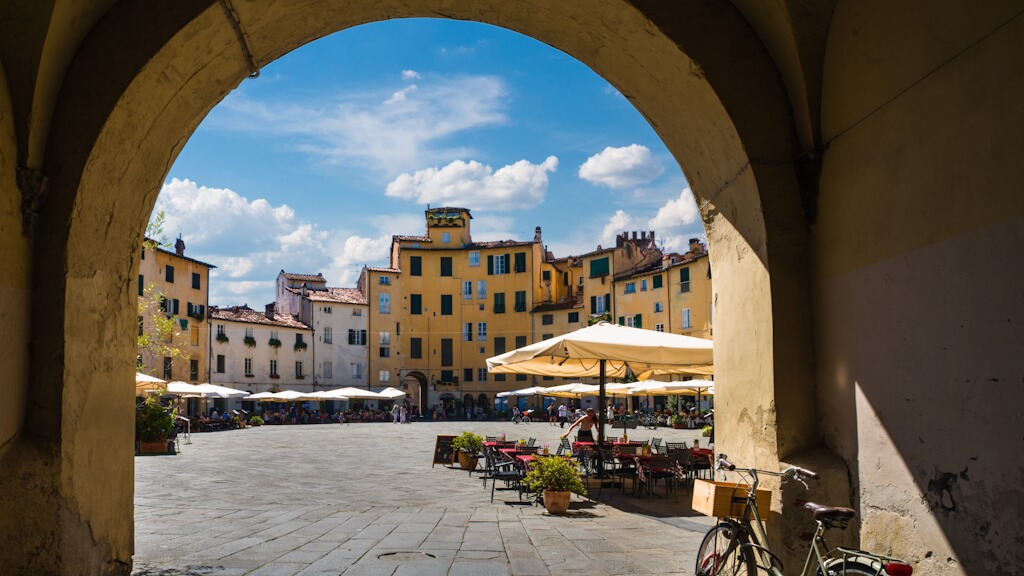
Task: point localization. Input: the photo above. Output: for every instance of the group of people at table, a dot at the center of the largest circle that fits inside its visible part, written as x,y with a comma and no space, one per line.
633,457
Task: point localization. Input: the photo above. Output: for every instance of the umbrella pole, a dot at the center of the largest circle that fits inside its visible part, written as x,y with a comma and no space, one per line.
600,418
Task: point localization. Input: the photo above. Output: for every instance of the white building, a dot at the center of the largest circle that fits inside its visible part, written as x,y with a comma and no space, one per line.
339,318
257,351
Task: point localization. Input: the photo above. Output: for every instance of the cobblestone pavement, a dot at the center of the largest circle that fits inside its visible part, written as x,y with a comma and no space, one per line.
363,499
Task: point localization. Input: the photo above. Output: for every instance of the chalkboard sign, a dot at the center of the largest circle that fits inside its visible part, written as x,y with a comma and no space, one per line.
443,452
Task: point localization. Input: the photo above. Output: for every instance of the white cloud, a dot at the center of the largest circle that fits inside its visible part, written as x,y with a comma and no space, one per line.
411,75
620,168
386,130
357,251
477,186
248,241
676,213
620,222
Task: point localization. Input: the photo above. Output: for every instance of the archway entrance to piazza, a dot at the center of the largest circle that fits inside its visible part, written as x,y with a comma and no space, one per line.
417,381
115,147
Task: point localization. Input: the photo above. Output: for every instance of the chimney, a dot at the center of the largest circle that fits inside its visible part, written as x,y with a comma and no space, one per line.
303,288
270,311
179,247
536,235
695,246
634,234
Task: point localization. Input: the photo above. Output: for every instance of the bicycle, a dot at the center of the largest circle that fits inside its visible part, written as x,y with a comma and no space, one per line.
740,546
649,421
523,418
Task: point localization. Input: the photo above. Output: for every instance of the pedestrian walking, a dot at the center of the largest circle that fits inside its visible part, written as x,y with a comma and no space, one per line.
563,413
404,414
394,413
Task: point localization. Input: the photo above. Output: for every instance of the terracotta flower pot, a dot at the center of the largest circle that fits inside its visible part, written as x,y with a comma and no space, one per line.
157,447
467,461
557,502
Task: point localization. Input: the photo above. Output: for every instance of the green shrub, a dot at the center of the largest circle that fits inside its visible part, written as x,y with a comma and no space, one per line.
554,473
706,431
153,422
255,420
468,442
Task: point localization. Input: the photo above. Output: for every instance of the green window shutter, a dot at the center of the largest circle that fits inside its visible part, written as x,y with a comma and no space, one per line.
638,321
446,304
490,264
657,281
520,265
593,304
622,320
415,304
608,303
446,266
142,285
599,267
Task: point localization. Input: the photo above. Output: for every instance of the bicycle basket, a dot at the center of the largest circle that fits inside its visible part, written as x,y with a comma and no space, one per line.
726,499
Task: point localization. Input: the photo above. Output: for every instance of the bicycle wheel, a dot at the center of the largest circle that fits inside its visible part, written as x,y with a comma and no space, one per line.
840,568
526,420
721,554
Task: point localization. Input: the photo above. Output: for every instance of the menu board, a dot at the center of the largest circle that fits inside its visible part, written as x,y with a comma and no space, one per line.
443,452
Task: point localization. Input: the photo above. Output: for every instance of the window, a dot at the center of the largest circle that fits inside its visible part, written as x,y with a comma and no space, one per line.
357,337
643,285
357,371
520,262
481,374
599,267
638,321
659,306
415,266
520,301
546,275
327,310
298,369
547,319
384,280
574,317
520,341
499,377
248,332
384,303
273,369
248,366
193,370
659,327
446,265
467,374
168,364
196,280
169,273
447,375
599,304
686,318
499,302
481,289
384,338
220,363
656,281
467,290
416,348
298,338
328,335
140,325
499,345
446,304
446,237
497,264
359,311
384,352
481,330
415,304
274,335
384,376
327,369
446,352
467,332
546,336
143,255
630,287
684,280
474,258
142,285
220,329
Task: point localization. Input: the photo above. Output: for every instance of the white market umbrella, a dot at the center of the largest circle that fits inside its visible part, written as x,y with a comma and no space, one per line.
327,395
391,393
212,390
531,391
604,350
145,383
180,388
358,393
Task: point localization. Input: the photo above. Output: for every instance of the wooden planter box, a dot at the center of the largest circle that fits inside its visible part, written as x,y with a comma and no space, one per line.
158,447
726,499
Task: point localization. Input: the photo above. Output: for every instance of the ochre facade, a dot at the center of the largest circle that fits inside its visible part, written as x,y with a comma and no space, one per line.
856,168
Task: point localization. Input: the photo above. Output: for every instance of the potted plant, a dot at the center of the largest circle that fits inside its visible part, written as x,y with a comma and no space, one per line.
222,338
250,341
678,422
706,431
468,445
153,425
274,343
255,420
558,478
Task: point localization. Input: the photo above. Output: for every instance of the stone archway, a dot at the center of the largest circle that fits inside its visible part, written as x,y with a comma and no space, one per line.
143,79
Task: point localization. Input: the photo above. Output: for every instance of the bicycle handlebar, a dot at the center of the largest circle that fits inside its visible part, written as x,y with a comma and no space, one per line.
793,471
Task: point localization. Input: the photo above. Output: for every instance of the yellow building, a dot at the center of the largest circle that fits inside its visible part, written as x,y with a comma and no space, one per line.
446,304
183,286
673,295
600,267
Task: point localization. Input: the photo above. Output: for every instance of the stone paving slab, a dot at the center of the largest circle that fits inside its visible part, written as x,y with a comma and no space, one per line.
363,499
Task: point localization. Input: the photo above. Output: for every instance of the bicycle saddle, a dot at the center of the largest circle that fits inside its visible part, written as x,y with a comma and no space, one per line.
830,512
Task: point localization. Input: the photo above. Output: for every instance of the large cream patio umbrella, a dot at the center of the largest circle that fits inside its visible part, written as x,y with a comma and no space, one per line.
212,390
145,383
604,350
391,393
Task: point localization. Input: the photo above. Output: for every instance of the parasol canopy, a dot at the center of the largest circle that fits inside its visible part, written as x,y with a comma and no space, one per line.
391,393
358,393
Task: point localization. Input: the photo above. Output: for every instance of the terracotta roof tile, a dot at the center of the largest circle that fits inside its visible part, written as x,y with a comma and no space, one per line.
499,244
404,238
249,316
338,295
318,277
383,269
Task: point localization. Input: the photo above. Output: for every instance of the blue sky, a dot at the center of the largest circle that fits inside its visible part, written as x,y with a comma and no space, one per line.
338,145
